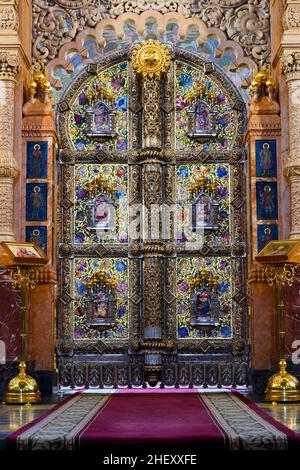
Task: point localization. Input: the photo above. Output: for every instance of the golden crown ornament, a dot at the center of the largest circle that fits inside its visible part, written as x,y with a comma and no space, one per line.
151,59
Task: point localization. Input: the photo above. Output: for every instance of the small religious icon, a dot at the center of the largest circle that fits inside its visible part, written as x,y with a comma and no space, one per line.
102,213
201,122
266,233
265,158
37,159
204,213
204,307
36,202
201,118
24,252
101,308
38,236
266,201
101,121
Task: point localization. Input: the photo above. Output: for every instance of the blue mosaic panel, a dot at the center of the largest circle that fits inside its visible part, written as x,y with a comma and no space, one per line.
265,153
37,234
266,201
36,160
266,233
36,202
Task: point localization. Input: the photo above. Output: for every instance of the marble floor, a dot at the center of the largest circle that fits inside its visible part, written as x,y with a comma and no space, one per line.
12,417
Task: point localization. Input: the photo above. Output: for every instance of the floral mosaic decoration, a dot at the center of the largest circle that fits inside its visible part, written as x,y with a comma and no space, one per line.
192,84
110,85
213,180
192,274
114,273
91,180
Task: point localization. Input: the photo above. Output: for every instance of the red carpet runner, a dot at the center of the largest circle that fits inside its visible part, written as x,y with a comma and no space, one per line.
138,418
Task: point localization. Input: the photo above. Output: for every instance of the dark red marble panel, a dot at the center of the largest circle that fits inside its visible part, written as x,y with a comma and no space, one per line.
10,301
292,314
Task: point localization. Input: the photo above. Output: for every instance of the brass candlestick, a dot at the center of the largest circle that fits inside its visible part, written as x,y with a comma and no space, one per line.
23,388
282,386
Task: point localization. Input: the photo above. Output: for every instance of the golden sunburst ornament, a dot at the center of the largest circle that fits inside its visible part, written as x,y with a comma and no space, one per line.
151,58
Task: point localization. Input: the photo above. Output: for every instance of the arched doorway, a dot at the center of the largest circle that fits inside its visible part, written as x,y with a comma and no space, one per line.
153,235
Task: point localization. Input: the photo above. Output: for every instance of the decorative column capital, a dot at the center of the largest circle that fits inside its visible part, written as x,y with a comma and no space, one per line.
291,16
9,65
9,19
290,64
292,170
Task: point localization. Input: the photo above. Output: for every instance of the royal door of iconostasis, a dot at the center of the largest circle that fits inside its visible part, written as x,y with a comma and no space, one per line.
152,245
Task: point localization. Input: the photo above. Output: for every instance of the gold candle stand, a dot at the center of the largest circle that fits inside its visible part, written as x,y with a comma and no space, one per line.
23,388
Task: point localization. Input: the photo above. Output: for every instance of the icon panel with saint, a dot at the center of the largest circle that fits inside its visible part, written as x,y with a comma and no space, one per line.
266,233
101,215
265,152
205,307
37,156
37,234
36,202
205,212
101,308
101,121
266,200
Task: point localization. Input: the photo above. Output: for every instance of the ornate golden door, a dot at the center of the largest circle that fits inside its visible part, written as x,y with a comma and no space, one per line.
152,215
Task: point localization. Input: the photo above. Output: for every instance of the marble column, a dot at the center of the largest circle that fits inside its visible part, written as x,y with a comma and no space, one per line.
291,71
290,64
9,67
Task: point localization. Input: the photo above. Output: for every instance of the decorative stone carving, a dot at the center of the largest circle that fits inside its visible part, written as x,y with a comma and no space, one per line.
8,17
293,174
244,21
291,69
9,65
290,62
8,164
151,114
291,18
124,6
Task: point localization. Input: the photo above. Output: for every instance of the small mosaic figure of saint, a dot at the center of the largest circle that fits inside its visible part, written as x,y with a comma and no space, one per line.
36,203
201,118
37,162
266,160
267,236
203,306
35,237
100,309
267,201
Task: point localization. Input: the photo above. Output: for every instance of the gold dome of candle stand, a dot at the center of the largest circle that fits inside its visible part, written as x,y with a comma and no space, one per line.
23,261
279,260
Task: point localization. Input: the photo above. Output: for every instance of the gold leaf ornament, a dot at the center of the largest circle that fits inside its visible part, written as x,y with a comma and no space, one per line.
151,59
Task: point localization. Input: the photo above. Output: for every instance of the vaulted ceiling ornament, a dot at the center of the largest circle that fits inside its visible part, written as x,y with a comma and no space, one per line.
57,22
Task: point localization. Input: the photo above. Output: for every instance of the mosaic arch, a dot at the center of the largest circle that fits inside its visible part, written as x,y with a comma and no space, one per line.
108,35
203,317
